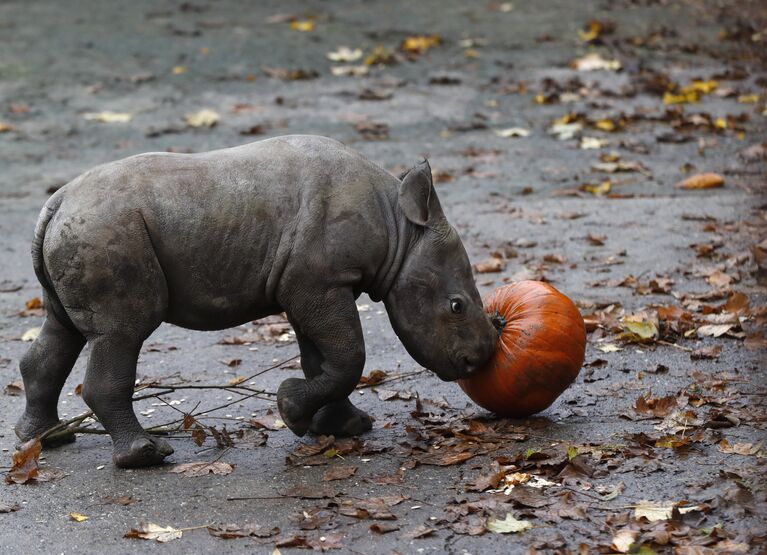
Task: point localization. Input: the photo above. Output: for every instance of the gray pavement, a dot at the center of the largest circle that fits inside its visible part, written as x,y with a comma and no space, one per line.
522,197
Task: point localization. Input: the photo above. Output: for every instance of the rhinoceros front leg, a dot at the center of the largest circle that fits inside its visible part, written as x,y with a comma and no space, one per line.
329,325
340,418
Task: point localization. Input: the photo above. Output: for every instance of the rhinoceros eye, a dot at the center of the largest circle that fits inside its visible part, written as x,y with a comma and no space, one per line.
456,306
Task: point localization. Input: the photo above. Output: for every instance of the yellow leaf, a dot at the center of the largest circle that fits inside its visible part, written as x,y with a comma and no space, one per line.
108,117
720,123
6,127
598,190
420,43
178,70
605,125
702,181
748,98
642,330
609,348
471,53
702,87
591,33
380,55
302,25
202,118
77,517
683,98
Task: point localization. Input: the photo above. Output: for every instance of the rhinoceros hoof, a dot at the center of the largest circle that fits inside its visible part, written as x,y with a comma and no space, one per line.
291,402
341,419
28,428
143,451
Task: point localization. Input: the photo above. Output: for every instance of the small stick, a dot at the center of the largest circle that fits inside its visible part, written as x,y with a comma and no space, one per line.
667,343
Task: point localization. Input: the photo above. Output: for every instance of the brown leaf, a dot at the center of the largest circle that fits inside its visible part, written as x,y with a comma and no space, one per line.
285,74
439,458
491,265
702,181
14,389
339,473
325,491
124,500
737,303
657,407
596,239
231,362
384,527
6,508
25,467
421,531
202,468
270,421
739,448
704,353
485,482
375,377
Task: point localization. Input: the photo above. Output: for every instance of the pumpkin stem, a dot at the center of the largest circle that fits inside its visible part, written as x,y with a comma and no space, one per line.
499,322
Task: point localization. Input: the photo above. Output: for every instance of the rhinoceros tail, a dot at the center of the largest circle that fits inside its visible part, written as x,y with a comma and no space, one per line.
53,304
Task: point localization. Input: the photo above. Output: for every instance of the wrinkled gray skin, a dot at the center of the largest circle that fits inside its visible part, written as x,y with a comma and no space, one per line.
299,224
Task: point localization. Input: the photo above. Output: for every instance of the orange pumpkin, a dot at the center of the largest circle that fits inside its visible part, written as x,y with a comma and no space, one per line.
539,354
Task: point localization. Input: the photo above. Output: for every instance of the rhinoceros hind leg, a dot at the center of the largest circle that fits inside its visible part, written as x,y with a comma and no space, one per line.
44,369
341,419
108,390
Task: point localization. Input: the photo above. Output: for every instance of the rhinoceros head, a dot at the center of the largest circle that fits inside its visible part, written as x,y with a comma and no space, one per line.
433,303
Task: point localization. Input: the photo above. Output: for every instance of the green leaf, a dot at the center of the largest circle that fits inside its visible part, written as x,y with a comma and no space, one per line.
509,525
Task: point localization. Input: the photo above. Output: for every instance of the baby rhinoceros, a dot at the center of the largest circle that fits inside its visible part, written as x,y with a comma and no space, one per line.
294,224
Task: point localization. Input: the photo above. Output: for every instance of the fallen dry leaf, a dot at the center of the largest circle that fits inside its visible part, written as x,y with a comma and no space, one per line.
202,118
14,389
302,25
702,181
739,448
491,265
624,539
6,508
77,517
344,54
421,531
151,531
654,512
512,132
202,468
594,62
25,466
339,473
508,525
108,117
420,43
31,334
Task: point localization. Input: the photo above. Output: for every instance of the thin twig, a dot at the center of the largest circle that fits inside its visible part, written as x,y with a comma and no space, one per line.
675,345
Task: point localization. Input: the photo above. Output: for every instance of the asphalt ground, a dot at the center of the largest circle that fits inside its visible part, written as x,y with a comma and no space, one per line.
528,199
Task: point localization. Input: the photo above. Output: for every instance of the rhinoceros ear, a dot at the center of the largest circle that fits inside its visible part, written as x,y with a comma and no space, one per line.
417,197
